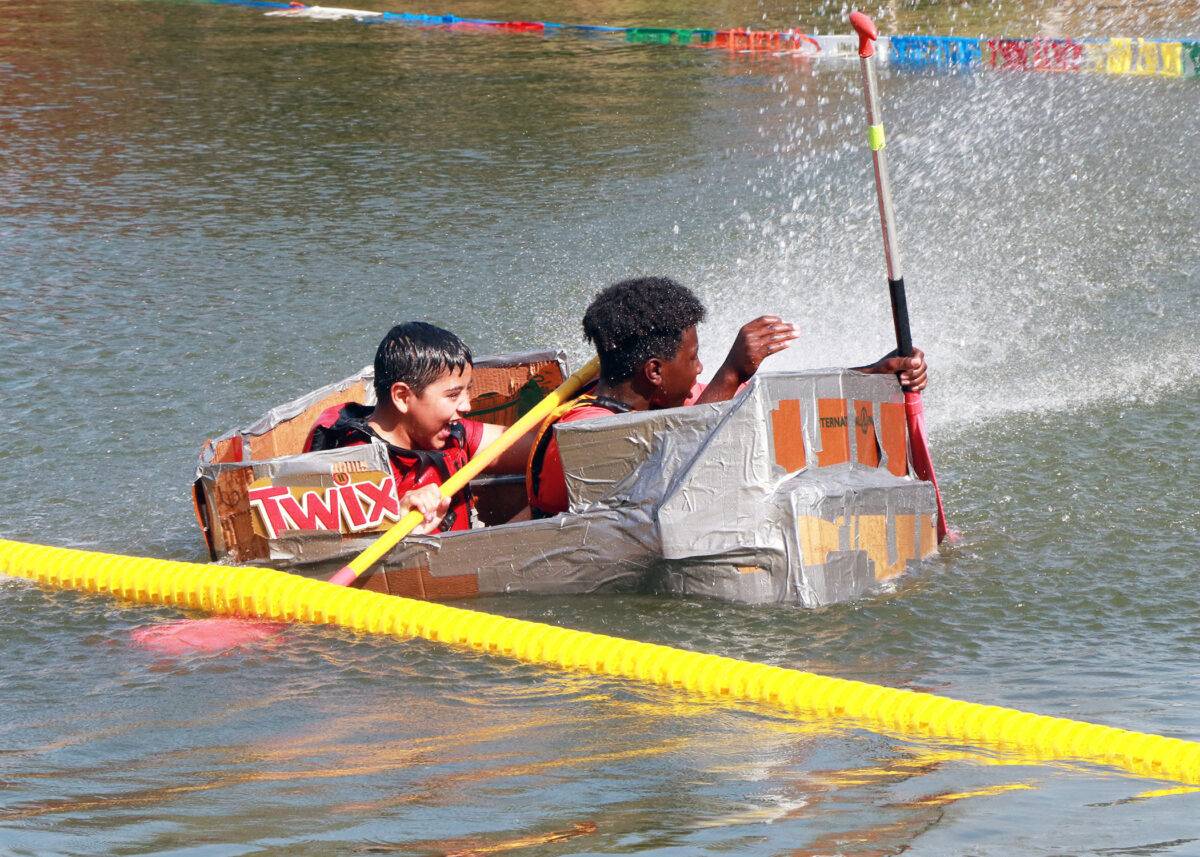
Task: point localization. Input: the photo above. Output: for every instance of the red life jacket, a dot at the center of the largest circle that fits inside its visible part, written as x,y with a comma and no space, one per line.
545,436
346,425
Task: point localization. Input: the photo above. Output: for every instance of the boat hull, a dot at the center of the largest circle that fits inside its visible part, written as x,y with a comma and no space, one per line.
799,490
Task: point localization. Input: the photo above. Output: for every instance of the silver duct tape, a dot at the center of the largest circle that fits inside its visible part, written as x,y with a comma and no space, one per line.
629,459
311,468
569,554
512,358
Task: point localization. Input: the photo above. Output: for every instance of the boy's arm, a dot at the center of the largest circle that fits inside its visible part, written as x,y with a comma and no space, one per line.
912,370
513,459
756,341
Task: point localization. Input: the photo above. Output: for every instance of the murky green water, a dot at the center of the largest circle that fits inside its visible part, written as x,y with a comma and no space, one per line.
204,212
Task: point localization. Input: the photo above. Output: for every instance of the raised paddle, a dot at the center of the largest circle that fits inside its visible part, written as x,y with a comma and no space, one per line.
218,634
913,410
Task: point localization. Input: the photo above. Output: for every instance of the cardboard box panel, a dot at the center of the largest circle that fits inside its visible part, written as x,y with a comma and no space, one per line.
288,436
503,392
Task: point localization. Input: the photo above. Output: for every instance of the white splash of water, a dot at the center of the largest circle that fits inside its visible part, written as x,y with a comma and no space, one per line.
1049,240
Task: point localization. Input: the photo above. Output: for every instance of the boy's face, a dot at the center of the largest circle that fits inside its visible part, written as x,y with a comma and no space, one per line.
679,374
430,413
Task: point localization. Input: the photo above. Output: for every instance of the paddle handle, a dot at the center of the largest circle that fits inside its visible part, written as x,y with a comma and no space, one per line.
913,410
459,479
867,34
900,317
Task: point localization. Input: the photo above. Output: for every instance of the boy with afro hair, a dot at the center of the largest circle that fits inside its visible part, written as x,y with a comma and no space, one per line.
644,330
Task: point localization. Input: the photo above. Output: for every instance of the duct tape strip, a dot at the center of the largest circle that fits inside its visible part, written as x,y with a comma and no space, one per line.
271,594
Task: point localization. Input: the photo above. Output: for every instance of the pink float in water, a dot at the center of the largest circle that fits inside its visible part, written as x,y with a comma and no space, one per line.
222,634
204,635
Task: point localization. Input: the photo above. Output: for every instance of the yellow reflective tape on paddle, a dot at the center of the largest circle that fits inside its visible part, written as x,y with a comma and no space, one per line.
875,137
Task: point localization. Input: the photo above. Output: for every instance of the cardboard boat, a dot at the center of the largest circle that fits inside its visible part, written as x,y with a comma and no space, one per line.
798,490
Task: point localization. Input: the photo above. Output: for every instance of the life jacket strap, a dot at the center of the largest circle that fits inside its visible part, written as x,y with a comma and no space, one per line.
537,455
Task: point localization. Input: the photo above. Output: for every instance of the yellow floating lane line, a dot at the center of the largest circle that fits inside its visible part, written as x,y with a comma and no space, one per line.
270,594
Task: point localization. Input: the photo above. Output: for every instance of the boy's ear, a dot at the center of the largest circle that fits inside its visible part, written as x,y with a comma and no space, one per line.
652,371
402,396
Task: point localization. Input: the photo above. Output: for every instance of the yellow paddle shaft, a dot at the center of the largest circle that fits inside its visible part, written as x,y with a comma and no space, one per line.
566,390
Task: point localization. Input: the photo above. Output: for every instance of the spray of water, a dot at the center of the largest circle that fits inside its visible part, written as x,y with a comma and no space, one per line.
1048,236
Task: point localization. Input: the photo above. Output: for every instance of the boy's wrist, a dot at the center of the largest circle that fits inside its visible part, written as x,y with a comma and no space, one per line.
730,372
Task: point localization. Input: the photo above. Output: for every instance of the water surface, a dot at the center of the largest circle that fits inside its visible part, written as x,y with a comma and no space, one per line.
205,212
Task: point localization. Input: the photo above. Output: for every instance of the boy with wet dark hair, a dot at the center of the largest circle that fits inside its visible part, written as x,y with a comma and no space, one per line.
417,353
644,330
422,380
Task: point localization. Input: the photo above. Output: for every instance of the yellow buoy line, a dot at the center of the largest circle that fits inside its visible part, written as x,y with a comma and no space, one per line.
270,594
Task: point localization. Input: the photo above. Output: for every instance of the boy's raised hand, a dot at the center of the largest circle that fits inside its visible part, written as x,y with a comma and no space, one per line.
428,500
756,341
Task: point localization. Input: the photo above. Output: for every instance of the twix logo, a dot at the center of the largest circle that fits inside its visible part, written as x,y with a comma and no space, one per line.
347,506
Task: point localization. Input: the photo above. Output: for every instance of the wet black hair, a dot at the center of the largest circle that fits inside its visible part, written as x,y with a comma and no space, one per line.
633,320
417,353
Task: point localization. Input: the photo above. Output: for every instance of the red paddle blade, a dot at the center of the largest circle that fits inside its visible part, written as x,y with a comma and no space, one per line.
204,635
344,576
217,634
922,461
